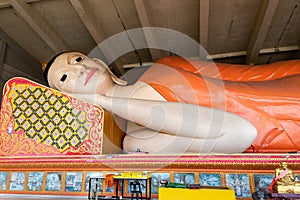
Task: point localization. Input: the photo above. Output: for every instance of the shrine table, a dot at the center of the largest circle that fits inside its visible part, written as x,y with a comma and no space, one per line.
120,181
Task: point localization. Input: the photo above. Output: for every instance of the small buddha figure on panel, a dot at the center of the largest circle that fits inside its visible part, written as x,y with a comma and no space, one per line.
285,181
284,175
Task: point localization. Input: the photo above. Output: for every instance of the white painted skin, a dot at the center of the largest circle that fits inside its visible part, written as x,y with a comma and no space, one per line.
154,124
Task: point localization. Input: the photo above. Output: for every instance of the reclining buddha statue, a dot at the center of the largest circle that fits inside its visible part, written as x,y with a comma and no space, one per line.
191,106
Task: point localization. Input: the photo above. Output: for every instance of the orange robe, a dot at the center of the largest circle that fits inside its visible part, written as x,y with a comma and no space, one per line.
268,95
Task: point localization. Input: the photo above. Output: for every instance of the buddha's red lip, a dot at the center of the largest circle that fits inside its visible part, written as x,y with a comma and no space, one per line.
89,75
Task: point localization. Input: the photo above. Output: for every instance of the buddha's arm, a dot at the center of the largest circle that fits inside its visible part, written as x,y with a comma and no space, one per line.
176,118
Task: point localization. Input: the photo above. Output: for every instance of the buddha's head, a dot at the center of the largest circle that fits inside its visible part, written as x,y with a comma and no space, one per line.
73,72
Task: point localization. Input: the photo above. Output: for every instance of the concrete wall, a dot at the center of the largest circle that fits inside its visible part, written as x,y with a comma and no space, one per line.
15,61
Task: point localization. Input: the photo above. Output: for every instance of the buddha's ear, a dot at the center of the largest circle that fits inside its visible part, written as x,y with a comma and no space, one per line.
113,77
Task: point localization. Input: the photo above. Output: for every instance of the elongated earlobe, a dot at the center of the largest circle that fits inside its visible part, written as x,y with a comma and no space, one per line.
113,77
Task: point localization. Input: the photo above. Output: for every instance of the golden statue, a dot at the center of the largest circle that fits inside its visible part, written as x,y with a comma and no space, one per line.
284,175
285,182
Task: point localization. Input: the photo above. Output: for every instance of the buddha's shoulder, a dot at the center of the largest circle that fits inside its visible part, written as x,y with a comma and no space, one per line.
138,90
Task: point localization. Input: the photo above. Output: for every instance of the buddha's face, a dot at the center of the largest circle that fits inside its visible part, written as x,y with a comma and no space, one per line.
74,72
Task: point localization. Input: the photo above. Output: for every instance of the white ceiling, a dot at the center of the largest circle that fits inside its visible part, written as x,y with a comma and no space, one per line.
235,31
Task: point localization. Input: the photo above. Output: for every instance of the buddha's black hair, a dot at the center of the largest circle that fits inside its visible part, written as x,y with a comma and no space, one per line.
49,65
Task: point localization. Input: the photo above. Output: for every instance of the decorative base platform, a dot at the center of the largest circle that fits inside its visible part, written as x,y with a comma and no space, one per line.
244,173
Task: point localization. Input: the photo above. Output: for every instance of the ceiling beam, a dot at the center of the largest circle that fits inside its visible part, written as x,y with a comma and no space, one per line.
203,27
88,19
261,28
95,29
262,51
228,55
40,25
6,3
145,21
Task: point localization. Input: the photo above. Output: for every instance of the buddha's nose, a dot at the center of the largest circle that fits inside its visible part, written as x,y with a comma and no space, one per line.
82,70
